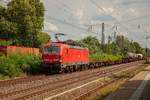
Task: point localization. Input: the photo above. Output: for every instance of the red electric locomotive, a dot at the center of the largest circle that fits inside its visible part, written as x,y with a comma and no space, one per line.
63,57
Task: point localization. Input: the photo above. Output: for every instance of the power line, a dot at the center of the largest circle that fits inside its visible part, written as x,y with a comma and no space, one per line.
70,24
70,10
99,7
119,22
130,20
64,7
137,18
96,4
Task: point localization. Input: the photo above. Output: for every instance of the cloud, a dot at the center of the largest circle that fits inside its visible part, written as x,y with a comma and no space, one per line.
123,33
4,2
111,10
50,27
103,17
132,12
78,13
131,2
108,10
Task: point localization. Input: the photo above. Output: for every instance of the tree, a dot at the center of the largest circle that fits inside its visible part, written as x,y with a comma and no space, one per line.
137,47
7,29
91,43
2,11
114,49
43,38
28,15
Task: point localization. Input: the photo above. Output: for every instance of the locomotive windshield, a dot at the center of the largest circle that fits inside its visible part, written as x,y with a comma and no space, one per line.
52,50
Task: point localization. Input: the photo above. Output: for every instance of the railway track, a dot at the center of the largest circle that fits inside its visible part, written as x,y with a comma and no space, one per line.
13,83
84,95
21,80
87,88
88,93
43,86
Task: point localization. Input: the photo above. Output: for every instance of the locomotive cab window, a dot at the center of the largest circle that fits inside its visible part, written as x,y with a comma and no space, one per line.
52,50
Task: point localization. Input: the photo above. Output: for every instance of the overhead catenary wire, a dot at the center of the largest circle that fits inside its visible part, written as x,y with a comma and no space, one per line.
96,4
116,21
63,7
131,20
134,19
70,24
69,9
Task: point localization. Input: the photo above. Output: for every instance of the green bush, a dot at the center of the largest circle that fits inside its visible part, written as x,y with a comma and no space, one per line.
17,64
8,68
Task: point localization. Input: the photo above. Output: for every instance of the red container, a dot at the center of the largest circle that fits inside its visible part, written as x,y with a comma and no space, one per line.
7,50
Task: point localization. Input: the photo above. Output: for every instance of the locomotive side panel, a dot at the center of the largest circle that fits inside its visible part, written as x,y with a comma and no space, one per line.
73,56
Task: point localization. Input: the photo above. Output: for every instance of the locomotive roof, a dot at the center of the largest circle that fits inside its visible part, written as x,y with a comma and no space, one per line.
65,45
56,44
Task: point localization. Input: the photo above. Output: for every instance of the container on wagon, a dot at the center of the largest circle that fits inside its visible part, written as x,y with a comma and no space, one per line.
7,50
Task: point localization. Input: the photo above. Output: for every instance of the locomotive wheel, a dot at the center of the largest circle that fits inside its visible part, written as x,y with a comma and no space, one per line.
77,68
71,69
74,68
81,67
62,70
92,66
86,67
66,70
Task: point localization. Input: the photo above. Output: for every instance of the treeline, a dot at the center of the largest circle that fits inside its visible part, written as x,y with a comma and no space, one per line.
118,48
21,23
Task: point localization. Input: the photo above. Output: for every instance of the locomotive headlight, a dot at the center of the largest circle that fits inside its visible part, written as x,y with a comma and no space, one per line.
58,59
45,59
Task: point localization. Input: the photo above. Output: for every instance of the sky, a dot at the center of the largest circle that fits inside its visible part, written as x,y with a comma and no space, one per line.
81,18
75,17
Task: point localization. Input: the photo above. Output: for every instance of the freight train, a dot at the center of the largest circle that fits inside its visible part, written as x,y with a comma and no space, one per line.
60,57
68,57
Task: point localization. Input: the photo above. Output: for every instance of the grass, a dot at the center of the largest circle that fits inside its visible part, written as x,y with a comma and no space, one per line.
109,89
